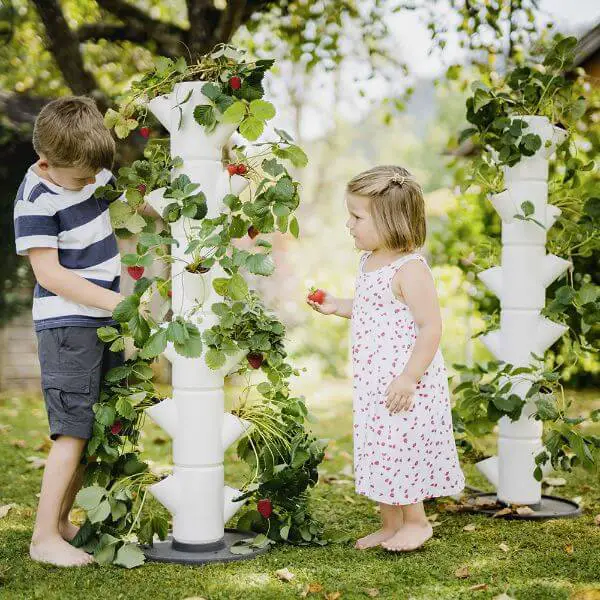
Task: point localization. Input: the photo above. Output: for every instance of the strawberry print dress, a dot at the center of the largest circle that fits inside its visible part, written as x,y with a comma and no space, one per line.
410,456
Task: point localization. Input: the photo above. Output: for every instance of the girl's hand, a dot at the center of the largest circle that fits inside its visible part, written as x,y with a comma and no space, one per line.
400,394
328,304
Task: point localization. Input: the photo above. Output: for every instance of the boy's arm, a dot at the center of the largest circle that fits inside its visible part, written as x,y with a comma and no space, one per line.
50,274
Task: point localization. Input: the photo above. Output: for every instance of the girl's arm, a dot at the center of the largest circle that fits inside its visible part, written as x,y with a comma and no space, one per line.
417,288
342,307
413,282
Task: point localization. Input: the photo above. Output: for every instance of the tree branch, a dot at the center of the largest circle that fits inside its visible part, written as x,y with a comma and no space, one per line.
231,19
64,46
204,20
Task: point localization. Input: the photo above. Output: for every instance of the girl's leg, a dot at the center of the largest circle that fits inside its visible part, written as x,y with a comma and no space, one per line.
391,522
415,531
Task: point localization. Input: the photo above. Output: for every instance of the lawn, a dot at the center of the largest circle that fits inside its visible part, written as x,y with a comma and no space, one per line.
537,560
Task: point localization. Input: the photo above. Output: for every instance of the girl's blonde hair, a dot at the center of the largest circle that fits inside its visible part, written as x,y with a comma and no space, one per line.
397,205
70,132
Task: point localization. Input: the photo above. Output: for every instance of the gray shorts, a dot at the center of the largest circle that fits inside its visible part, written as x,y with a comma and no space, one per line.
74,362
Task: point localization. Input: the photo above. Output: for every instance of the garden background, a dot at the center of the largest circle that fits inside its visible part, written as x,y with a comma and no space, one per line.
356,86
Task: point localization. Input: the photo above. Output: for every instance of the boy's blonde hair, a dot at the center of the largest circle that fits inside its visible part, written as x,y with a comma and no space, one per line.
70,132
397,205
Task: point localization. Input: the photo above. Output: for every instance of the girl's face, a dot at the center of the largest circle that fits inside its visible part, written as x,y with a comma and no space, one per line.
360,223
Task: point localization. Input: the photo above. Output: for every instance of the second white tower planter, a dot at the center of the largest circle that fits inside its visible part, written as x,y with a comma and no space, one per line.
520,283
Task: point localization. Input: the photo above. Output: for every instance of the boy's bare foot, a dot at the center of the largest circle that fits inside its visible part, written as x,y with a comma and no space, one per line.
410,537
67,530
374,539
56,551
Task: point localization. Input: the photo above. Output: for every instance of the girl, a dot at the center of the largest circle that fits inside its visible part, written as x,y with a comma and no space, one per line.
404,450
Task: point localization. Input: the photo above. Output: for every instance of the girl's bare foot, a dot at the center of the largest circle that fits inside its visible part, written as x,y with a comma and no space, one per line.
56,551
410,537
67,530
374,539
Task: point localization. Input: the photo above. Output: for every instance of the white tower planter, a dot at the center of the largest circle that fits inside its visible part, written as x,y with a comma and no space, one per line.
194,417
520,283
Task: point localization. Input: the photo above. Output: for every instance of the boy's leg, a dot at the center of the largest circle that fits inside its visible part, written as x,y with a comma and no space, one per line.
391,522
47,545
415,531
67,530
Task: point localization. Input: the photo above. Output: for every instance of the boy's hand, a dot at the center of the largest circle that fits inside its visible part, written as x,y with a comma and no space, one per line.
400,394
328,304
118,298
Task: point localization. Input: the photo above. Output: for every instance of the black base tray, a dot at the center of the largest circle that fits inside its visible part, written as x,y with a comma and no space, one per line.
217,553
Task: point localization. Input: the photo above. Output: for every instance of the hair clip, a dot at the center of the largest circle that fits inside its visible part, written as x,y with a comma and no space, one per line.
397,178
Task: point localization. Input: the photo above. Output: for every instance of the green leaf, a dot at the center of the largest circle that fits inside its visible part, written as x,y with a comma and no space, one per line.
260,264
262,109
126,309
237,287
272,167
192,347
251,128
211,91
528,208
105,554
118,373
214,359
294,227
105,414
129,556
155,345
125,408
100,513
204,114
90,497
107,334
117,510
235,113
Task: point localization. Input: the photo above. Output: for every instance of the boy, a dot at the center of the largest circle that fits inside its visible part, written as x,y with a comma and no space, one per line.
68,237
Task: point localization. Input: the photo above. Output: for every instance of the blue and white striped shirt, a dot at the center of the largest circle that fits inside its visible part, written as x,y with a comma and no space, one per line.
78,225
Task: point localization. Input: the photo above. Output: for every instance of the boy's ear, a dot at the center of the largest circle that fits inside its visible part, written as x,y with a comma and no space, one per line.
42,163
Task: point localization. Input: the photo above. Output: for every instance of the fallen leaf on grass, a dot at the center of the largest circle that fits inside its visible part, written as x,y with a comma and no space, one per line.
597,520
284,574
503,596
478,587
433,517
555,481
504,511
36,462
469,527
503,547
333,595
349,499
525,510
462,572
18,443
194,598
4,428
4,509
311,588
372,593
436,524
569,549
44,446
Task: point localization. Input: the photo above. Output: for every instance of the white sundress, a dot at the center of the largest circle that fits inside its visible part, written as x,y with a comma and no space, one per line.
411,456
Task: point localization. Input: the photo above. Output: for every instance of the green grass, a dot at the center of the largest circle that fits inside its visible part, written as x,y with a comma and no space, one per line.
536,566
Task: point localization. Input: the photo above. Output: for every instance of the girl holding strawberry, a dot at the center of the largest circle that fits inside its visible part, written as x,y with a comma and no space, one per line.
404,449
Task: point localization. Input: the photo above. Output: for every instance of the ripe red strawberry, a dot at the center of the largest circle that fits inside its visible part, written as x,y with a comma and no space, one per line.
232,169
235,82
317,296
170,293
265,507
145,132
255,359
135,272
252,232
242,169
141,188
116,427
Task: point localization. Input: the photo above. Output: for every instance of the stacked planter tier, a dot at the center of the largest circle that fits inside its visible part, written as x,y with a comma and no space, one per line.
520,283
195,494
